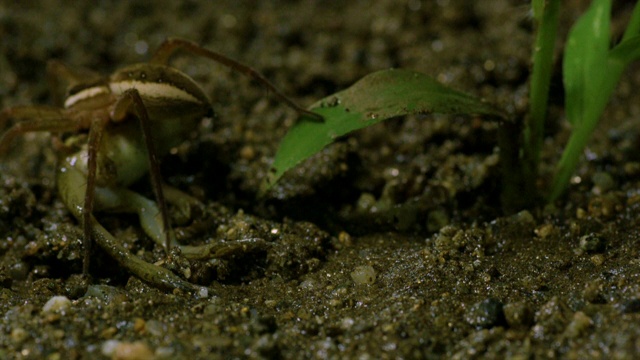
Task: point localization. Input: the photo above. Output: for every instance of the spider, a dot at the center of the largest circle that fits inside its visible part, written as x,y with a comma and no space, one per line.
133,117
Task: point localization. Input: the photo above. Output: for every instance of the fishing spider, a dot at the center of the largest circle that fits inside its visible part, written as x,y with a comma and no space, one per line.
168,105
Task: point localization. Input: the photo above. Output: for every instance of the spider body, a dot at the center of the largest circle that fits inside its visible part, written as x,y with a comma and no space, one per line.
132,118
174,104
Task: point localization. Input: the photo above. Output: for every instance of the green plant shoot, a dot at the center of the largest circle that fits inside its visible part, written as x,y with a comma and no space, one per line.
546,17
591,71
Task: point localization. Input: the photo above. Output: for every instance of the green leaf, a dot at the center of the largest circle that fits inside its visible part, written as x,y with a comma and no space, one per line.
547,13
538,7
589,80
374,98
626,51
585,60
633,28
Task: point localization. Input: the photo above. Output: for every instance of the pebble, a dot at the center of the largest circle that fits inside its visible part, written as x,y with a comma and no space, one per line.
545,230
155,327
19,335
119,350
578,325
592,243
436,220
551,318
106,293
139,325
518,314
597,259
604,206
486,314
602,182
593,292
57,304
247,152
523,218
364,275
203,293
366,202
19,271
630,306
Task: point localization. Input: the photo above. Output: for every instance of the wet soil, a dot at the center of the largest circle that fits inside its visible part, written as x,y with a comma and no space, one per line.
391,243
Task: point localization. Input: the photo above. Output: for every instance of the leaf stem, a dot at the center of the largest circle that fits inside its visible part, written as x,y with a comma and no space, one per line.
546,15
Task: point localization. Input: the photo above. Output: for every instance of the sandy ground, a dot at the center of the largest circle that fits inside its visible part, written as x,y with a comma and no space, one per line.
391,243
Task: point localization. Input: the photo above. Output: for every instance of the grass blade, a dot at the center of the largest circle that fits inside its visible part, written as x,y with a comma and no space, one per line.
585,60
546,15
590,74
626,51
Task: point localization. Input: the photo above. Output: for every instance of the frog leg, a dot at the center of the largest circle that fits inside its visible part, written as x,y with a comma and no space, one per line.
152,274
72,185
181,201
118,199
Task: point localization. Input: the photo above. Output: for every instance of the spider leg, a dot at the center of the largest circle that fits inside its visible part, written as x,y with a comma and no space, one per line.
95,138
171,45
131,103
33,118
43,118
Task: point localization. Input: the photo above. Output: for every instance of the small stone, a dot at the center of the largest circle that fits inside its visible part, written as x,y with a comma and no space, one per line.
19,335
344,238
108,333
436,220
578,325
106,293
155,327
57,304
366,202
632,168
545,230
364,275
593,292
76,286
524,218
597,259
247,152
203,293
346,323
581,213
630,306
592,243
518,314
109,347
604,206
551,318
165,352
58,334
486,314
19,271
126,351
602,182
139,325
